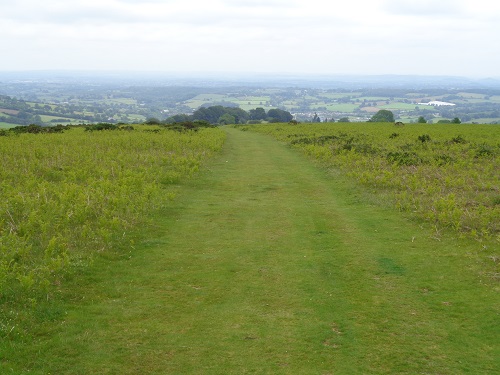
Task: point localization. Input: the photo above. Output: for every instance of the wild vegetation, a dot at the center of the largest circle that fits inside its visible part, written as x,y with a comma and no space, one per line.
70,196
448,175
268,264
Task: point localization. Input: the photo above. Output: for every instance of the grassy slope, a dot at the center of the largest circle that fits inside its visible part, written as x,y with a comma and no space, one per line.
268,264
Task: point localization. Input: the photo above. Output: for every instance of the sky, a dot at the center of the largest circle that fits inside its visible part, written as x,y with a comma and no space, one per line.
310,37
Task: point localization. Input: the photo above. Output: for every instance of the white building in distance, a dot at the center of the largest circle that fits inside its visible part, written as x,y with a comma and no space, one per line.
436,103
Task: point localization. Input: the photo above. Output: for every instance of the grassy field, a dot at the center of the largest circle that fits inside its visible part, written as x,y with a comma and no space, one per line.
267,263
70,198
447,174
6,125
46,118
398,106
336,107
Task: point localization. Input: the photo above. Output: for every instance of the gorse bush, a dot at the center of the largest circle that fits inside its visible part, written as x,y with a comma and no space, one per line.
101,126
37,129
448,175
424,138
67,197
188,125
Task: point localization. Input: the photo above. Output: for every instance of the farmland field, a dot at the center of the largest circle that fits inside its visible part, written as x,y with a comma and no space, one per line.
61,119
100,103
264,262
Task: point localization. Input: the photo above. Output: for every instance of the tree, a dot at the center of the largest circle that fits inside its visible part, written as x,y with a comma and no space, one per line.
456,120
422,120
278,115
210,114
214,113
344,119
383,115
240,116
37,120
152,121
178,118
258,114
226,119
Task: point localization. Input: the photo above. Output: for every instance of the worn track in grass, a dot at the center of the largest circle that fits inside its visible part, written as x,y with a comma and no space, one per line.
268,264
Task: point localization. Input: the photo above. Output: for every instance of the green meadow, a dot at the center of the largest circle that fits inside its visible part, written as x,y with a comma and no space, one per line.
268,249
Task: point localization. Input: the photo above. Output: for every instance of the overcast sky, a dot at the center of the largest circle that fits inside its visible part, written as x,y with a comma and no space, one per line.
425,37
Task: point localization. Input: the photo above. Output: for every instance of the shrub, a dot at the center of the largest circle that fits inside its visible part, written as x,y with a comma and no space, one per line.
443,159
484,150
424,138
101,126
458,139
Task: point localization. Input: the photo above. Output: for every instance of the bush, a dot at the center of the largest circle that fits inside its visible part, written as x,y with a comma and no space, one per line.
37,129
484,150
424,138
101,126
458,139
188,125
152,121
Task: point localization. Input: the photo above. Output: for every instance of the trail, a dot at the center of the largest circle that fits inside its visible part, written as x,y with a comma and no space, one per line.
268,264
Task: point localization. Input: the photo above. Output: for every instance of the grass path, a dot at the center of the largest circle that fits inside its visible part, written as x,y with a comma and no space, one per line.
267,264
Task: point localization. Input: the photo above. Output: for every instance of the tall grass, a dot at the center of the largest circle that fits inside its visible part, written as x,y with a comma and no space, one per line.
448,174
67,197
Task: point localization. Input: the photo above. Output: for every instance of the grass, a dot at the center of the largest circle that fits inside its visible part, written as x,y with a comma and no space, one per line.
337,107
340,95
267,263
6,125
47,118
399,106
201,99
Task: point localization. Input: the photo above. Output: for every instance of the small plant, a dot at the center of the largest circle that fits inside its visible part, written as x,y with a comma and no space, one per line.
484,151
458,139
443,159
424,138
394,135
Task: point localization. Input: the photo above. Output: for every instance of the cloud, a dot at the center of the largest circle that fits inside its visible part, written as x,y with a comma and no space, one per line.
250,35
424,8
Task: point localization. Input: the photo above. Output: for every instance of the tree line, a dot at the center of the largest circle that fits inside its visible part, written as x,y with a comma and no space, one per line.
220,115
